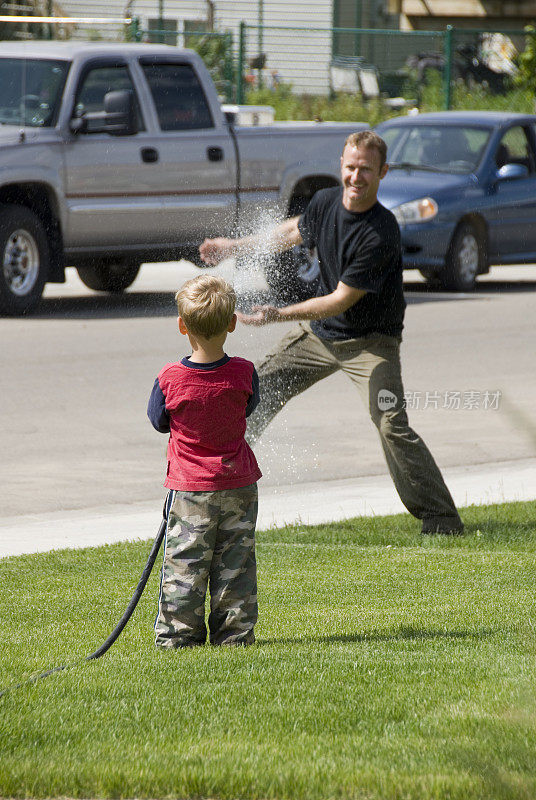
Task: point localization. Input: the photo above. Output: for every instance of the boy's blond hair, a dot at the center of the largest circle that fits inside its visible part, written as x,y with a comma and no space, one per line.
206,305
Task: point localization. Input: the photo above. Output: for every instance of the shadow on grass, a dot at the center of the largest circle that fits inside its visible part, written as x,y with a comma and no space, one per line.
496,779
404,632
516,534
490,526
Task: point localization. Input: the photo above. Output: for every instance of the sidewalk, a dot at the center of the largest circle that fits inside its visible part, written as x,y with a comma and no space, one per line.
306,503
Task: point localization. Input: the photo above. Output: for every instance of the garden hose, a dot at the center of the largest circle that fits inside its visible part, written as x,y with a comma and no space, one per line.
122,622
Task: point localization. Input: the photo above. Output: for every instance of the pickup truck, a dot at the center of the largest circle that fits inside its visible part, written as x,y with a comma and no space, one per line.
112,155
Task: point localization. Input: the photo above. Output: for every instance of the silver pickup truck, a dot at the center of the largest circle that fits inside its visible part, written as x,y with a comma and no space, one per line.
113,155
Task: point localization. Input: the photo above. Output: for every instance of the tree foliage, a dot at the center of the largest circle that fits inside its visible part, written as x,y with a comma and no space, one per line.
216,52
525,78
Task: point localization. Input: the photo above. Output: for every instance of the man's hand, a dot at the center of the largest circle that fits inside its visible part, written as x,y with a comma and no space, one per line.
212,251
262,316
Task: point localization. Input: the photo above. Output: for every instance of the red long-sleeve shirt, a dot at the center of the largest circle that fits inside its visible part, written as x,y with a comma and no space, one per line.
204,406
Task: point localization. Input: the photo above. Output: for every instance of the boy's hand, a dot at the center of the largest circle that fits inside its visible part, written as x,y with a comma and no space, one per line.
262,316
212,251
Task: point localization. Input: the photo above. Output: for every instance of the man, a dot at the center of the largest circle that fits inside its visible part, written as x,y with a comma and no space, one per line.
354,324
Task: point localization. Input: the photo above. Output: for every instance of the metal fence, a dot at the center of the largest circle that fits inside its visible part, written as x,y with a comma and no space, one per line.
450,69
313,60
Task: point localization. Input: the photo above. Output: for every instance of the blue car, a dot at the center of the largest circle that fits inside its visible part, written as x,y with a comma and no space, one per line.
462,186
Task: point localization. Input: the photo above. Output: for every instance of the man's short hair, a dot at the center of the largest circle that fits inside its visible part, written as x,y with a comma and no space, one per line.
368,139
206,305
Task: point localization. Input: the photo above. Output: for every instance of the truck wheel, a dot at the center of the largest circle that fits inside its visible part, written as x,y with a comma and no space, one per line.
293,276
466,258
431,277
109,277
25,255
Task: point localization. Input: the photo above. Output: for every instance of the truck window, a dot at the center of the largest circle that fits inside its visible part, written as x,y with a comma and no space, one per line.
96,83
179,98
30,91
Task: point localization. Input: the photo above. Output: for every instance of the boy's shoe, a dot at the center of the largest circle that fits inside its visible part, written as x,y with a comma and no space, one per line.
445,526
172,644
234,640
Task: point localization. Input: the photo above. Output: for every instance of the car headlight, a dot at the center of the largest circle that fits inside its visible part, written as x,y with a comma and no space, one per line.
416,211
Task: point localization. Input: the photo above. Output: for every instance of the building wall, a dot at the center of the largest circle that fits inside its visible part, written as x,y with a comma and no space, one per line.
299,57
478,14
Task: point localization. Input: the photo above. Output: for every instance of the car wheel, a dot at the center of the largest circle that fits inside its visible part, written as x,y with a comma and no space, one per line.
109,277
25,254
466,258
293,276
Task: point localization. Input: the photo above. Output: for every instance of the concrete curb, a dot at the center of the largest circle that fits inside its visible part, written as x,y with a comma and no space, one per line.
306,503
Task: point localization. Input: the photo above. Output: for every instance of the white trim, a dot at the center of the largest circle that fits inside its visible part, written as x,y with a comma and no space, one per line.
67,20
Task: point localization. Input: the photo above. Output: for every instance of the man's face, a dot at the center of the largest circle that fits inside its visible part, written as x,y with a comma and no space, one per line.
361,176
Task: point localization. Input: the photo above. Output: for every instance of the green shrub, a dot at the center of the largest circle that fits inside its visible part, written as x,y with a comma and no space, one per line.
427,96
526,63
334,108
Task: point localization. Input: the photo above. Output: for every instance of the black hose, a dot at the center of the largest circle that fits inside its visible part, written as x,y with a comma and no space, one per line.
120,625
135,597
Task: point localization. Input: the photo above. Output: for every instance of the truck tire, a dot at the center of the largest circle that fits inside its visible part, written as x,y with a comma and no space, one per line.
25,259
431,277
292,276
109,277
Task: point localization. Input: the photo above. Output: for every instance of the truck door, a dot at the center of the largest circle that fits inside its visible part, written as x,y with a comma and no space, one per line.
105,176
196,168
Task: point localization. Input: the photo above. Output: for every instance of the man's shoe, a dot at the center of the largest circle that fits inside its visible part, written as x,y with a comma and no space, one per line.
444,526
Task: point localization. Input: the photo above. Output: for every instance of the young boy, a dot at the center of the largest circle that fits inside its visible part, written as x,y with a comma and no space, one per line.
202,402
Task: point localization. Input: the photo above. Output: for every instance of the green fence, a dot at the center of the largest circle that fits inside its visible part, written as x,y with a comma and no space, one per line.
395,70
449,69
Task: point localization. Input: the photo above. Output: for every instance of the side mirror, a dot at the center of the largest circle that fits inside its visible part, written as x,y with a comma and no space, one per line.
117,119
511,172
120,113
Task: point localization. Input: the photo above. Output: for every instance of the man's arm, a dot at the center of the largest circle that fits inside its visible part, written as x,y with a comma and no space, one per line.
279,238
329,305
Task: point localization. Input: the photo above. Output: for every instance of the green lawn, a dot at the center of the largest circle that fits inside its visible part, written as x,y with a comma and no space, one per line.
388,665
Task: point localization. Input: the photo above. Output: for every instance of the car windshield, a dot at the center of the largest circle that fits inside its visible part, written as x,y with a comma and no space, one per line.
30,91
444,148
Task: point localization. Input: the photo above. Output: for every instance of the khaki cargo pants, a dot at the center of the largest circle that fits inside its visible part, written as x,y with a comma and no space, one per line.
373,364
210,543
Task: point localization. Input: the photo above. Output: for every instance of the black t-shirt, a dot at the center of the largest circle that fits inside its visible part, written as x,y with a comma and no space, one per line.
363,251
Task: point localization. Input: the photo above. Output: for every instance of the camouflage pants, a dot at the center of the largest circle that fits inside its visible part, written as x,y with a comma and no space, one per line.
210,542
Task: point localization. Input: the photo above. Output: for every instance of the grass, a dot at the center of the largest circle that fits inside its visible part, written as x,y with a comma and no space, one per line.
388,665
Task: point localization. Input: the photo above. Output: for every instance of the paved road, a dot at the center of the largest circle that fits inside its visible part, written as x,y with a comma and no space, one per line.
76,377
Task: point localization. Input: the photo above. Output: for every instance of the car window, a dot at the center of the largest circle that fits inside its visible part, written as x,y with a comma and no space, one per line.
450,148
390,136
179,98
514,148
97,82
